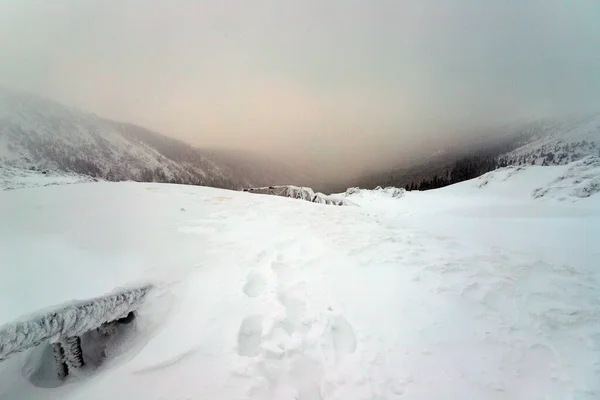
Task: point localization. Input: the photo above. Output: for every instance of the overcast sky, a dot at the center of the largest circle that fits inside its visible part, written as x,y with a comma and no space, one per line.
338,79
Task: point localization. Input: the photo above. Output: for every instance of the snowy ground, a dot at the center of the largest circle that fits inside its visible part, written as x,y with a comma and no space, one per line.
474,291
12,178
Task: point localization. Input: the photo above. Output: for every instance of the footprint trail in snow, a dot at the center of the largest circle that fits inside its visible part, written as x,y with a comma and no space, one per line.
291,343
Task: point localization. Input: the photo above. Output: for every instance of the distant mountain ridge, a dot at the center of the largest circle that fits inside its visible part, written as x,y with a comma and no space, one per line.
539,142
38,133
559,143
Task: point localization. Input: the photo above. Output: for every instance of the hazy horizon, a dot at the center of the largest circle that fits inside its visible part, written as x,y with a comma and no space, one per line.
346,84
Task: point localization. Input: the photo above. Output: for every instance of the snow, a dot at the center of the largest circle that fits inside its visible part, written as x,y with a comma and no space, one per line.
474,291
70,320
301,193
560,142
38,132
17,178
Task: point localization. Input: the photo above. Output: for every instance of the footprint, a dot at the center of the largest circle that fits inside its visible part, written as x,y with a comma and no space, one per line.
344,338
282,271
249,336
295,310
255,284
306,376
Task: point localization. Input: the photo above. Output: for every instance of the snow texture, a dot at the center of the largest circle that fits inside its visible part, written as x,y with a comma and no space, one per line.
470,291
388,191
12,178
559,142
300,193
36,132
580,180
68,321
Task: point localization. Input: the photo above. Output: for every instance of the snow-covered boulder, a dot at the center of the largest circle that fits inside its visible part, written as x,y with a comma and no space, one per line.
393,191
351,191
390,191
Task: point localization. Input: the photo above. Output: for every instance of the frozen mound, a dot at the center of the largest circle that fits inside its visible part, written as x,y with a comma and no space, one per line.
300,193
12,178
580,180
390,191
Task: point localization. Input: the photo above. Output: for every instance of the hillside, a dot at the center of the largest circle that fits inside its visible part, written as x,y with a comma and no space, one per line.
541,142
559,144
262,170
42,134
441,164
479,290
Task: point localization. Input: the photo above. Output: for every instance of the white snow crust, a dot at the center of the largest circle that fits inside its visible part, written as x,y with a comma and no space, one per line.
478,290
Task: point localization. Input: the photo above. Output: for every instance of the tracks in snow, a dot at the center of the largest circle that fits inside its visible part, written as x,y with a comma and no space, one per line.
292,343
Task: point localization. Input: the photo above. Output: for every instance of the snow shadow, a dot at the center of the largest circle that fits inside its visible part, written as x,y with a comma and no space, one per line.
98,346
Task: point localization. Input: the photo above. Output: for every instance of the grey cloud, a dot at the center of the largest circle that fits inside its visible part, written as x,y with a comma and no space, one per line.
342,82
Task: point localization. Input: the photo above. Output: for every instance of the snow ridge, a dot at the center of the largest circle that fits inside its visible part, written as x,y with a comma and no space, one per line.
559,143
41,133
389,191
71,320
576,181
580,180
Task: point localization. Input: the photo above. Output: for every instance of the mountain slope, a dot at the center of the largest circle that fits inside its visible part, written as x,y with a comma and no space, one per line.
559,143
539,142
259,168
466,292
40,133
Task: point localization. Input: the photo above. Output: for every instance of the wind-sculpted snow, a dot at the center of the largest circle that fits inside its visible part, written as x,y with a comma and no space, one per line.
580,180
72,320
456,293
12,178
389,191
575,181
300,193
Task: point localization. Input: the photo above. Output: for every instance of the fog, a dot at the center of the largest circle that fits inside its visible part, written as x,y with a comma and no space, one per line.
345,84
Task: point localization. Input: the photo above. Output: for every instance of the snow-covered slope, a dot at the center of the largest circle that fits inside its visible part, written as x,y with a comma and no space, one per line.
580,179
559,142
18,178
467,292
37,132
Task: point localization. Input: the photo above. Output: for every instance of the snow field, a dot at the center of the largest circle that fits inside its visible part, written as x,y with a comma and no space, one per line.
470,291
